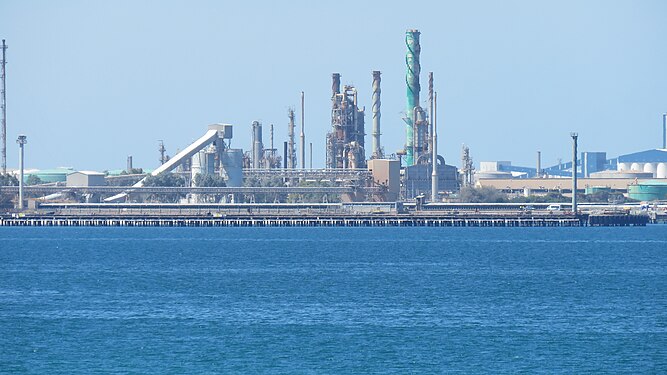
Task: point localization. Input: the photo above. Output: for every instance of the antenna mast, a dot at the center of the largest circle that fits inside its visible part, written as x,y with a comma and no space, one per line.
4,110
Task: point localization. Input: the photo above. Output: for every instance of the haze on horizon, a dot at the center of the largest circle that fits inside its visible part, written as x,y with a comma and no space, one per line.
90,83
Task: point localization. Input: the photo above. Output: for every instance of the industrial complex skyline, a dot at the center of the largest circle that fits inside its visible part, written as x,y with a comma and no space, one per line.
91,83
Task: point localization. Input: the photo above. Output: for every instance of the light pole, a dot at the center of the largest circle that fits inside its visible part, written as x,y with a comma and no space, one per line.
22,140
574,171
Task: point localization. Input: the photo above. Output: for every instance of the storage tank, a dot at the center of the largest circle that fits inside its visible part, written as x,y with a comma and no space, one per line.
597,189
637,166
50,175
651,168
232,166
623,166
661,170
648,191
492,175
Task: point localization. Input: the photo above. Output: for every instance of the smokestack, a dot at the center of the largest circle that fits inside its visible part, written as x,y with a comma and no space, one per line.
434,174
291,154
664,131
271,132
335,85
303,136
377,150
129,164
538,170
257,146
412,80
310,165
285,154
22,140
430,114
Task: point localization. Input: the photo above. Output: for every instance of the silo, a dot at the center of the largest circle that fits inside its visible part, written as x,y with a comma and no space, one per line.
661,170
651,167
232,166
637,166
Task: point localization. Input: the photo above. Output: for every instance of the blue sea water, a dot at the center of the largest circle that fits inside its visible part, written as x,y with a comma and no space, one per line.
333,300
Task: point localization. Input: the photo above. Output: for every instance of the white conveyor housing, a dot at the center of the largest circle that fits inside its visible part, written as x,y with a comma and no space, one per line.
215,131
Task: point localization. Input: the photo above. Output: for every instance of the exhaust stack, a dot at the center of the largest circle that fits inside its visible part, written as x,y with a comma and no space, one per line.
377,149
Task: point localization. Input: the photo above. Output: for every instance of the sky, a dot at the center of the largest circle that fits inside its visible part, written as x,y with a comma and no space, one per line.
91,82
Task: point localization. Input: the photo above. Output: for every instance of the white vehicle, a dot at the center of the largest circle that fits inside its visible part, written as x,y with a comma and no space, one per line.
554,207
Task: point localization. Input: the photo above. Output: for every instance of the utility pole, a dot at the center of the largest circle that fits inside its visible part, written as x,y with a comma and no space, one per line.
434,174
574,171
22,140
3,103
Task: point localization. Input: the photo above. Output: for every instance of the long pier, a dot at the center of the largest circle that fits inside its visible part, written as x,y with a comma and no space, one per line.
323,221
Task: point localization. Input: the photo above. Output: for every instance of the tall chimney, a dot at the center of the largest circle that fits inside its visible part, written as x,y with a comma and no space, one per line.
271,130
285,154
538,170
377,149
413,88
257,145
335,84
664,131
291,153
22,140
129,164
303,136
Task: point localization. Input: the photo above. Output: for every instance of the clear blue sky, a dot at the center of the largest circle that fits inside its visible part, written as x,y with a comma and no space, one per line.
90,82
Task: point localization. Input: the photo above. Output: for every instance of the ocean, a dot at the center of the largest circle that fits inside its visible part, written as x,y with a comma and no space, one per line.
333,300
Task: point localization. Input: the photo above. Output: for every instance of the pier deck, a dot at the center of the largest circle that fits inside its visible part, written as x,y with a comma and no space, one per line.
318,220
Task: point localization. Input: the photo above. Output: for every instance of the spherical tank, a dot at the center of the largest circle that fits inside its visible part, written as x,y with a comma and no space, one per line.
661,170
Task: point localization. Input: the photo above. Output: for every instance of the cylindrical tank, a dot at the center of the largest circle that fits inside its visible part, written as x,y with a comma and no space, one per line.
661,170
232,166
637,166
648,191
623,166
651,167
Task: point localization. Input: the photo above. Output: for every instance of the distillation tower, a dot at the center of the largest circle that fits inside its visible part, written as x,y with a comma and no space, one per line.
345,141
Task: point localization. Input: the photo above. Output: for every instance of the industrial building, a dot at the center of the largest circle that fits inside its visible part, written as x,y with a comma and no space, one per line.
86,178
345,141
650,161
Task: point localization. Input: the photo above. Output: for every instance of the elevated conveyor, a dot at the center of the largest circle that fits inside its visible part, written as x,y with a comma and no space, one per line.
215,132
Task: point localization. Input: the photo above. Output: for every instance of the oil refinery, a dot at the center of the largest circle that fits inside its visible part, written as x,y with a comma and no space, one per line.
356,178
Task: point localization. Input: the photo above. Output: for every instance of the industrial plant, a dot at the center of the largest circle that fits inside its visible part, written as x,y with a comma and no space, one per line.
209,176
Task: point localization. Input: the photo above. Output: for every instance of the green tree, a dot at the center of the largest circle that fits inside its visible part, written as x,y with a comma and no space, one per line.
208,180
485,194
165,180
133,171
8,180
